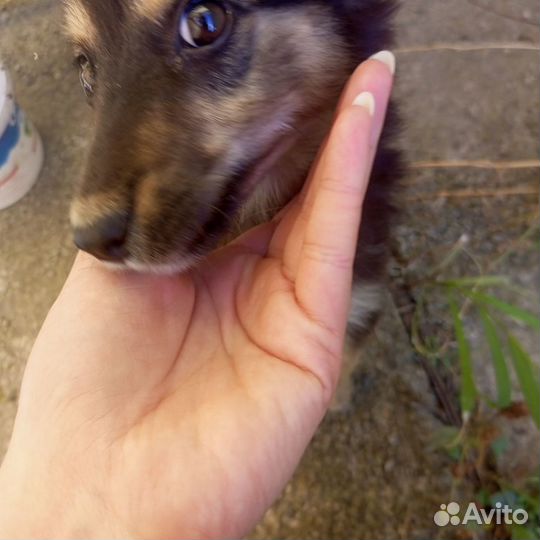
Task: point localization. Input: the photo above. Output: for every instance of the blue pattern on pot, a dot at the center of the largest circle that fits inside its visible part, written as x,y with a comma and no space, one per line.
10,138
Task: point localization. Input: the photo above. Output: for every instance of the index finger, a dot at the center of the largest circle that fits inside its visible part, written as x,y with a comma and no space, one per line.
334,205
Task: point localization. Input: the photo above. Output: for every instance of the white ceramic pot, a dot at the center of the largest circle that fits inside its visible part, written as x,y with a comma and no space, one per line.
21,149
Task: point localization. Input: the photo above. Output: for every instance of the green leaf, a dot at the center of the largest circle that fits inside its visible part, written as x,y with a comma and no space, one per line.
508,496
515,312
482,497
522,532
500,446
530,386
455,453
446,437
468,388
478,281
502,375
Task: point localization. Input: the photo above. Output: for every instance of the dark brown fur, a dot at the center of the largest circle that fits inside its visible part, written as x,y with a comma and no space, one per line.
179,133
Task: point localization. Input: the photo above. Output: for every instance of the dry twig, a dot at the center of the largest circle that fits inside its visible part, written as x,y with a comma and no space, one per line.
476,164
468,47
477,193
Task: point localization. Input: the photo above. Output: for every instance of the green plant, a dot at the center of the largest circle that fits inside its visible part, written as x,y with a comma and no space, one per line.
503,344
470,448
495,314
477,445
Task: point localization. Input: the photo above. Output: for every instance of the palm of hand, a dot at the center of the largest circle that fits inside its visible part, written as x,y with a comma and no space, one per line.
179,406
200,380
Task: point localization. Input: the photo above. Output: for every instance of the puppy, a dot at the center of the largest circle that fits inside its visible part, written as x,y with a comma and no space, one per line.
208,115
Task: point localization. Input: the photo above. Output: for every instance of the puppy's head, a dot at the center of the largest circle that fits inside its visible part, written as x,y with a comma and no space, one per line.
207,114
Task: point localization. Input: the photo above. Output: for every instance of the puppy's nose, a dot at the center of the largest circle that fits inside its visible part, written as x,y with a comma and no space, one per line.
105,239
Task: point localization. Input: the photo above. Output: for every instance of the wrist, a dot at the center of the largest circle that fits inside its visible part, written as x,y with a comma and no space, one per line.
36,504
25,510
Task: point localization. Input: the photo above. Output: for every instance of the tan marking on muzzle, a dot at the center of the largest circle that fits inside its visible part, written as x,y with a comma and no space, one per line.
78,23
88,210
150,137
147,206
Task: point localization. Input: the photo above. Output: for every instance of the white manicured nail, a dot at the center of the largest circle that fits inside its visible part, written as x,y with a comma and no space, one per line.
366,100
387,58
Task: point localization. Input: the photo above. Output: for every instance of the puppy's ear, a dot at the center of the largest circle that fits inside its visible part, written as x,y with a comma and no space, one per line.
374,17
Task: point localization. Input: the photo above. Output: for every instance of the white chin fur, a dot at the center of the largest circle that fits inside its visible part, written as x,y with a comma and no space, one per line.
169,268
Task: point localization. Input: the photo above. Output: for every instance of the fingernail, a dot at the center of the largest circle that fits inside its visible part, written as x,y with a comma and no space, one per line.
366,100
387,58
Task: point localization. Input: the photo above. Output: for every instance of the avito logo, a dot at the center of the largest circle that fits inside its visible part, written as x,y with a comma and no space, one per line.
449,514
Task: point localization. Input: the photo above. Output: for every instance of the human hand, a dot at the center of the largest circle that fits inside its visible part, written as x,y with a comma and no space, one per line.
180,406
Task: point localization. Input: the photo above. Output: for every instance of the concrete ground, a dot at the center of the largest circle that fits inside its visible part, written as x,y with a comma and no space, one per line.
468,85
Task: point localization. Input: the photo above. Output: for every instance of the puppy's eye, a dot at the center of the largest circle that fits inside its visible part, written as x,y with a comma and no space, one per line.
86,74
203,23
